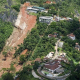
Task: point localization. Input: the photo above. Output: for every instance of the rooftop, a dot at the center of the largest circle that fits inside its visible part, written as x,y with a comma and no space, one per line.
30,8
48,2
52,65
51,35
38,7
71,35
46,17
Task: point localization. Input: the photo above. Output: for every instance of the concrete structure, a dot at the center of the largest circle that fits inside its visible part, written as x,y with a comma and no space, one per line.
50,55
60,44
63,58
54,77
46,19
35,9
69,19
30,9
50,2
71,36
41,9
53,66
52,35
57,18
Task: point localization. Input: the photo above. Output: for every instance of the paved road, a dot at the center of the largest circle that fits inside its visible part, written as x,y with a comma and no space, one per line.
35,75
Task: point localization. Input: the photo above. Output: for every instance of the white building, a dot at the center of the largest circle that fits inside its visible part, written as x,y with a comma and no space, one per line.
35,9
68,18
46,19
71,36
60,44
50,55
30,9
53,66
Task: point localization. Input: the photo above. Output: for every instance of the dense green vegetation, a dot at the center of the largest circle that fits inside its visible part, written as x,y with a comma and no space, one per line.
37,42
16,7
25,74
43,44
6,29
7,76
75,73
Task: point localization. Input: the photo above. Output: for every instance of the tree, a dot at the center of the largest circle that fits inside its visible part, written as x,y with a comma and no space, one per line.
12,68
36,65
22,59
5,55
7,76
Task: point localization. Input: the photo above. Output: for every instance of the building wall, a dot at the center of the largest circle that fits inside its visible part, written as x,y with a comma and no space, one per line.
45,20
73,38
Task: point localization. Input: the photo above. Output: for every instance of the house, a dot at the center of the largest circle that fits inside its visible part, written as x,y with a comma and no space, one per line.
30,9
60,44
54,2
52,66
57,18
35,9
50,55
77,46
41,9
71,36
45,59
63,58
69,19
51,35
48,2
46,19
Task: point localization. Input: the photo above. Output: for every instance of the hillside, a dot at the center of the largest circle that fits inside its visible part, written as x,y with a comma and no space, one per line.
68,7
7,13
32,40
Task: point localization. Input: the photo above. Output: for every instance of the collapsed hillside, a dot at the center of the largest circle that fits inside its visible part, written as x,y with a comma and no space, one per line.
24,24
17,36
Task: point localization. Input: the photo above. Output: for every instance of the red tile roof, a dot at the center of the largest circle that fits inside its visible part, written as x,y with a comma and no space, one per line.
48,2
54,2
52,65
51,35
71,35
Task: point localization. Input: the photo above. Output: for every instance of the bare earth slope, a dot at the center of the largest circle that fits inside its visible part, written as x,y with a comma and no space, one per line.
17,37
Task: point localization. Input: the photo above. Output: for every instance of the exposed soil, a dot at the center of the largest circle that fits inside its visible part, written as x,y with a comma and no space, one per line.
17,38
